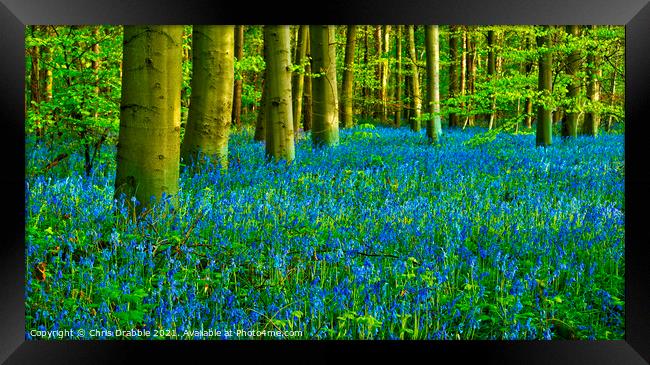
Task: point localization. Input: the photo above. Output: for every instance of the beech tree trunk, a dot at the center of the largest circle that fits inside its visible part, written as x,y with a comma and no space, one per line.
279,115
148,150
434,128
325,128
209,118
570,124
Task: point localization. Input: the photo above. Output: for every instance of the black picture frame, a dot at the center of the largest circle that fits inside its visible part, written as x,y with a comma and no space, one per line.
634,14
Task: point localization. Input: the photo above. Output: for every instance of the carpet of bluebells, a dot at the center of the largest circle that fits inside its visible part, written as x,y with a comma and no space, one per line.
382,237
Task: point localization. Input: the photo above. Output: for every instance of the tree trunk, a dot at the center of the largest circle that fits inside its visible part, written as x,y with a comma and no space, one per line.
544,112
492,67
454,87
149,139
528,105
378,71
594,73
463,74
366,89
208,122
298,78
385,74
279,115
415,82
399,77
570,125
237,92
307,92
433,86
325,104
348,76
471,73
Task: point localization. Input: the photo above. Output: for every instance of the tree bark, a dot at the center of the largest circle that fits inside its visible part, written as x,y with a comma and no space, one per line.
149,139
325,99
545,85
307,92
348,78
279,115
434,128
208,122
399,77
298,79
385,74
415,82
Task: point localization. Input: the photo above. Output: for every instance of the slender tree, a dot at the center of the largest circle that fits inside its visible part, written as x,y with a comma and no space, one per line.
307,92
149,139
325,104
298,78
279,116
570,124
434,128
348,78
385,71
594,73
415,82
454,86
398,77
492,68
237,92
208,122
545,85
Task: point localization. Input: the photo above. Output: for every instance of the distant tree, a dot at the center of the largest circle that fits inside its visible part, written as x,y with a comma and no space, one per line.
570,124
348,77
209,118
149,139
325,128
545,87
594,73
415,83
398,77
298,80
454,86
237,92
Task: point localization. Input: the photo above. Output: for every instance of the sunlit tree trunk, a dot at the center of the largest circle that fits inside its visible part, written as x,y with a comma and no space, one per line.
237,92
208,122
594,73
399,77
528,104
570,125
348,77
433,86
325,128
415,82
279,116
149,139
307,92
298,78
385,74
378,71
545,85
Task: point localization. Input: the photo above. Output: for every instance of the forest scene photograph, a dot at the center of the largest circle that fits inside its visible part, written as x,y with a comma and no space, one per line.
334,182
